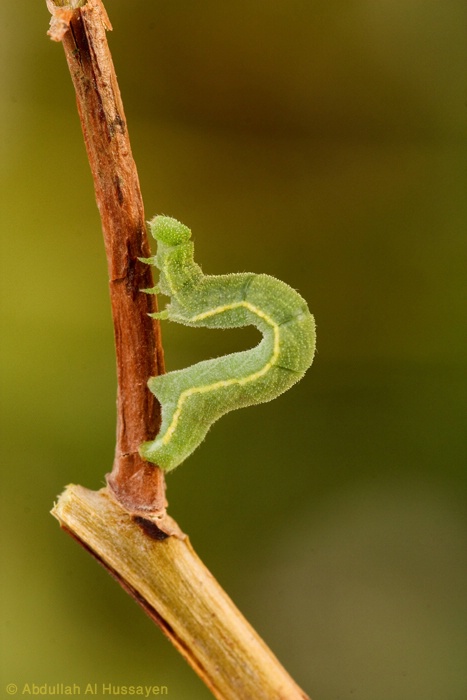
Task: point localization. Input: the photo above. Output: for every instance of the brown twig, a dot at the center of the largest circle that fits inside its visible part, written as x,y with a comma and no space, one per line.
137,485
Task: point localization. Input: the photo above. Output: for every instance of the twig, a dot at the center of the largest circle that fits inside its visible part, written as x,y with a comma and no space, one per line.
125,526
137,485
177,591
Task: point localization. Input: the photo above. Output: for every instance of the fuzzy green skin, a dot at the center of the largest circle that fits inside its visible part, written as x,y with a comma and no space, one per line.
192,399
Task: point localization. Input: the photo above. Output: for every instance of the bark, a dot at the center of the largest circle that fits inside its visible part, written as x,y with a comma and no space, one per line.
137,485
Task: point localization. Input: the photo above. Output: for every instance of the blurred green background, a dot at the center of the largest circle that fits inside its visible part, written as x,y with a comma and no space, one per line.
320,142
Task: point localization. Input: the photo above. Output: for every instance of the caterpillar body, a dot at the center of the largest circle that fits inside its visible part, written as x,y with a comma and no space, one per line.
192,399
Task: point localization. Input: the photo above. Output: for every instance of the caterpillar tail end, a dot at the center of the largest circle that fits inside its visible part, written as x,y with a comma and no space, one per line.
152,452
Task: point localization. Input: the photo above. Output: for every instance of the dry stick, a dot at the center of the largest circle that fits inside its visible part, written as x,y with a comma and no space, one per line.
118,524
177,591
137,485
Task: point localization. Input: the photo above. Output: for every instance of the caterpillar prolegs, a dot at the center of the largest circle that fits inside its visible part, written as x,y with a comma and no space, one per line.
192,399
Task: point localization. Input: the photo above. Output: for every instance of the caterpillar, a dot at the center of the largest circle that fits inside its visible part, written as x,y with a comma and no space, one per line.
192,399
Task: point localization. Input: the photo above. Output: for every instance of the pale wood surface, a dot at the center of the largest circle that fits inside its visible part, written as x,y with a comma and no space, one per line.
174,587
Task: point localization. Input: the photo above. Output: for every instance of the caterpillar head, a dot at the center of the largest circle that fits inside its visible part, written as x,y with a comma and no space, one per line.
169,231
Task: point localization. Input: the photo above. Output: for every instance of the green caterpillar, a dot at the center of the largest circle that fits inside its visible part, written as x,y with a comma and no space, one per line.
192,399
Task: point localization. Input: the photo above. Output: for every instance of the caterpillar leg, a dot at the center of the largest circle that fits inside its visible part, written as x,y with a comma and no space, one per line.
151,290
161,315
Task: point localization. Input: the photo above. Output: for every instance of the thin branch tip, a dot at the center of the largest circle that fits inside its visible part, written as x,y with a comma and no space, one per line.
63,11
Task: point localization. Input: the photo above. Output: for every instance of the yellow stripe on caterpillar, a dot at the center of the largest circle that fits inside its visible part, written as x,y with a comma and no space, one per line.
226,382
